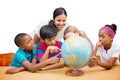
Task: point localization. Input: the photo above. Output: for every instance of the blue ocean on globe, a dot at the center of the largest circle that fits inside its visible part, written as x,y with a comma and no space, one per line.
76,51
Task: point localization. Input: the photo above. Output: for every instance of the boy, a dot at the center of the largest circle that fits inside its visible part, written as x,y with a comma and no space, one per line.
25,57
49,47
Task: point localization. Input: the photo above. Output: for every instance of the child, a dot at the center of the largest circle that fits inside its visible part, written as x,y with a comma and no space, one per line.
25,57
106,53
49,47
72,30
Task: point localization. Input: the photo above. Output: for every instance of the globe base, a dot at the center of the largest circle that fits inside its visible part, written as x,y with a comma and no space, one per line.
74,72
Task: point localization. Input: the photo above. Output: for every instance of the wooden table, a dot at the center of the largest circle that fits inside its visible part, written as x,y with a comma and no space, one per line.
93,73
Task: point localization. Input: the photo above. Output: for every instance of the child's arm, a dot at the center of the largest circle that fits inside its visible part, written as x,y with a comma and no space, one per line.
50,49
91,63
98,45
14,70
60,64
19,69
106,65
34,67
33,61
45,55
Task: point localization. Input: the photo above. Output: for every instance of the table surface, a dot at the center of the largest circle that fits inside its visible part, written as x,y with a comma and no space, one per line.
90,73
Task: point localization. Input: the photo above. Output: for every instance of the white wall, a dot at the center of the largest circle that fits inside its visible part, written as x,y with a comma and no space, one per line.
24,15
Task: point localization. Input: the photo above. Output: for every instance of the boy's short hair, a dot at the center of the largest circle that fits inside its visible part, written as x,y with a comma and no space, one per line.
18,39
47,31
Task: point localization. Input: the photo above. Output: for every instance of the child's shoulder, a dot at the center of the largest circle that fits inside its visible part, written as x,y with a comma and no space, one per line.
19,52
41,45
115,46
59,42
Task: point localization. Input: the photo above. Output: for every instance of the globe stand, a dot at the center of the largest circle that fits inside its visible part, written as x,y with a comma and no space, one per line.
74,72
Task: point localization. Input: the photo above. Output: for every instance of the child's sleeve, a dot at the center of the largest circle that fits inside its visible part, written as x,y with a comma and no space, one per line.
116,52
60,45
34,51
60,56
20,57
39,53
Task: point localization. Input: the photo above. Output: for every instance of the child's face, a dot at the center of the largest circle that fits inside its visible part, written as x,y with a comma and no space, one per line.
50,41
70,34
104,38
27,43
72,31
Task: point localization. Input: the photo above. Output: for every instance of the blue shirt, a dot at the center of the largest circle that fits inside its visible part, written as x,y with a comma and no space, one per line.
21,56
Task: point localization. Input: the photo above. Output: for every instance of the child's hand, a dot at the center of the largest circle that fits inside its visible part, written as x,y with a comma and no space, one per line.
53,60
90,63
42,69
99,44
12,71
94,59
119,58
53,49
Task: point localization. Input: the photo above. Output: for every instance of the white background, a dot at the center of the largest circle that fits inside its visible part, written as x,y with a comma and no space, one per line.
24,15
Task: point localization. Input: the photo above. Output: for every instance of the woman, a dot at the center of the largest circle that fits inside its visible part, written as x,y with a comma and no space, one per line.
59,21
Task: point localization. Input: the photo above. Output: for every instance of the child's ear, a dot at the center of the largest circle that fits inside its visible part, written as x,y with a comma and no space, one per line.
22,47
64,37
53,20
112,38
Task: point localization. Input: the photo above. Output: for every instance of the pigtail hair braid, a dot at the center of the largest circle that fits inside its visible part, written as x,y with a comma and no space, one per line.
114,27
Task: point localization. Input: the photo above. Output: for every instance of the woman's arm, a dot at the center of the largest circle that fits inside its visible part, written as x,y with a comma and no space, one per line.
36,39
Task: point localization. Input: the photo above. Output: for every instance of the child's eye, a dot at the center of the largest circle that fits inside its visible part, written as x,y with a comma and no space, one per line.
75,31
49,39
54,38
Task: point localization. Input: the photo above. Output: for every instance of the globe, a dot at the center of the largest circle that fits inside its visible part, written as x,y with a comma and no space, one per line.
76,52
